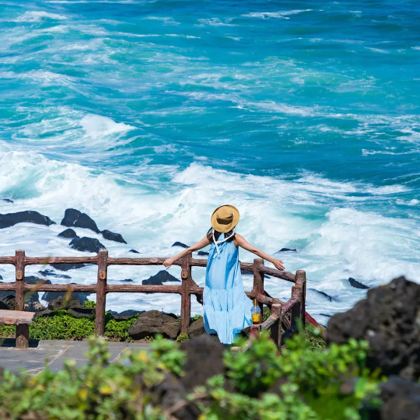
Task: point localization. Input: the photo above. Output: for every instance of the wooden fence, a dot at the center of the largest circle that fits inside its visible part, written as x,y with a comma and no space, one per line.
283,315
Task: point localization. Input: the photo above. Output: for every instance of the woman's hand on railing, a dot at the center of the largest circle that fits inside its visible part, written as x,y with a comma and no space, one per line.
168,262
278,264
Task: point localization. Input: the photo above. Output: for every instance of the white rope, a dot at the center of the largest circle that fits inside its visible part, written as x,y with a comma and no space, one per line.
219,242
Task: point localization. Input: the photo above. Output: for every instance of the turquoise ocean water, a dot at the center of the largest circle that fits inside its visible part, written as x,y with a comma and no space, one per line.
148,114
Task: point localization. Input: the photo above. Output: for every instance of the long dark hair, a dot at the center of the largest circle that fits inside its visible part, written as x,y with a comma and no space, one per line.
217,234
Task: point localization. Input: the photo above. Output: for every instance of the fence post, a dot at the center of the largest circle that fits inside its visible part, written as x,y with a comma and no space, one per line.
20,280
258,287
301,280
185,293
276,330
101,292
296,311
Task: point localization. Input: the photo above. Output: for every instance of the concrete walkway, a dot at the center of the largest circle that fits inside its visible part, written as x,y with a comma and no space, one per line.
53,353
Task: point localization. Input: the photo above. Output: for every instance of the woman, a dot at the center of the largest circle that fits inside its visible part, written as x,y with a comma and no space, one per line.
227,309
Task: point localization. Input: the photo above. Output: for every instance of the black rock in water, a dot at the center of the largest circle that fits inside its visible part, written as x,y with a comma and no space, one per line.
112,236
353,282
182,245
29,216
86,244
68,233
67,267
202,253
7,200
134,251
388,320
154,322
52,273
287,250
76,218
159,278
326,295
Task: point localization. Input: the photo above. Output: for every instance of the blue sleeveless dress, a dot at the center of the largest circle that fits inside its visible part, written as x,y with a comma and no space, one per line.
227,309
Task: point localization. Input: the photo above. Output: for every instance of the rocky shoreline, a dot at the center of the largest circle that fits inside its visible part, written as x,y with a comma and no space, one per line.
86,242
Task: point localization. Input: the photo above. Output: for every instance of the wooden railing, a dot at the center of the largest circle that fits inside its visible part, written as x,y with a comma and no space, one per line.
283,315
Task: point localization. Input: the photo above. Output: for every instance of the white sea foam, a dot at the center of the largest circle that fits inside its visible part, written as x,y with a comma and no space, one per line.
38,15
96,126
341,241
277,15
64,127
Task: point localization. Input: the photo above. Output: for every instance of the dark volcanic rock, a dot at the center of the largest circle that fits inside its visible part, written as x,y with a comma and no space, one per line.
112,236
31,298
11,219
287,250
202,253
196,328
86,244
353,282
182,245
171,394
159,278
389,320
134,251
52,273
204,359
154,322
58,300
7,200
68,233
401,399
73,217
319,292
82,312
67,267
129,313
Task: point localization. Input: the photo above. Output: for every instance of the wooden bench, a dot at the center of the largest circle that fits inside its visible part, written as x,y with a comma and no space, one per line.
21,319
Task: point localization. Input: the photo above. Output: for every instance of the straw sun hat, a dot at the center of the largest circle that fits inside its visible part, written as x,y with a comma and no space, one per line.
224,218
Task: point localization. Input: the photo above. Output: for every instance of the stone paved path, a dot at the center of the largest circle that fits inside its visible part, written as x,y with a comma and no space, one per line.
53,353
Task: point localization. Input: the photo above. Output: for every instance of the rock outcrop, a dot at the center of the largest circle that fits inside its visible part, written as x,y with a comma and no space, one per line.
68,234
389,320
76,218
59,300
29,216
86,244
151,323
112,236
401,399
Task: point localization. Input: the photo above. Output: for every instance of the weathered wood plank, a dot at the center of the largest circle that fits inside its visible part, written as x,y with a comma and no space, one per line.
10,317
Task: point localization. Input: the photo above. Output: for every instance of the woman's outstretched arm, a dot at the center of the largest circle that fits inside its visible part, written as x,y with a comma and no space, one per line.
242,242
194,247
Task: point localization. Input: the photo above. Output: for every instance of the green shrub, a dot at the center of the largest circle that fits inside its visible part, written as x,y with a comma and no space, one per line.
62,326
300,383
99,390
